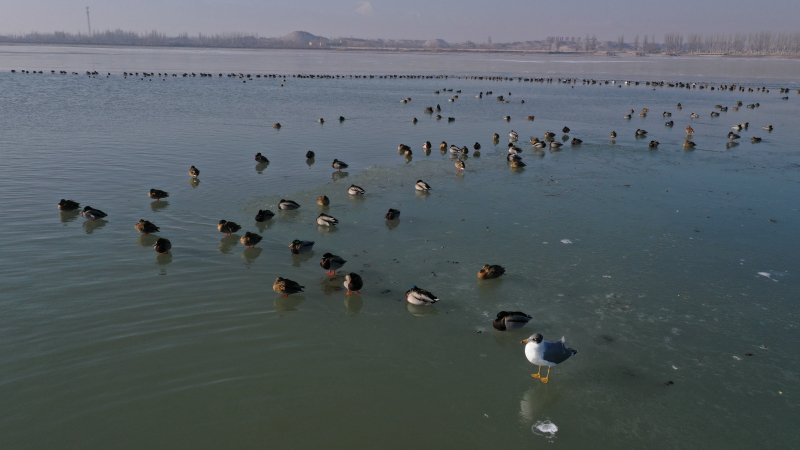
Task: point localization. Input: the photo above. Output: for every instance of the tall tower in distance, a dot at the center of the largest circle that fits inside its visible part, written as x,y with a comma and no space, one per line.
89,22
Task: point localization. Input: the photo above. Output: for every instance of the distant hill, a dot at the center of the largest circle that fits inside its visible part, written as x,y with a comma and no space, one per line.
436,43
302,37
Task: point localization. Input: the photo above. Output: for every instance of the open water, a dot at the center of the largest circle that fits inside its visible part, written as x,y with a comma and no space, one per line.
672,272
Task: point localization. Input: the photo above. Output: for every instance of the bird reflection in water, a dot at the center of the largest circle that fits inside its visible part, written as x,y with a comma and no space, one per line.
298,259
392,224
353,303
69,216
227,243
266,225
332,284
327,230
260,167
89,226
289,303
421,310
162,259
339,175
158,205
147,240
310,162
250,254
194,182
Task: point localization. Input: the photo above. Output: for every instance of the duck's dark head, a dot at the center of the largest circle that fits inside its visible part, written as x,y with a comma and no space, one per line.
222,221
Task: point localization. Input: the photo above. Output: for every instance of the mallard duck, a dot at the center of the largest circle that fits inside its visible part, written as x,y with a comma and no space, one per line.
339,165
414,120
286,287
438,117
427,145
429,110
640,132
512,134
460,165
627,116
355,190
513,157
510,320
714,114
476,146
310,154
565,130
68,205
321,120
331,263
645,110
92,214
689,129
539,144
534,140
653,144
733,136
297,246
403,147
755,139
517,164
323,200
261,159
454,149
250,239
644,114
531,118
491,271
228,227
689,144
546,353
768,127
146,227
341,118
694,116
353,283
506,118
419,296
679,106
408,152
326,220
669,124
513,149
465,151
276,125
264,215
157,194
613,134
438,108
393,214
667,114
442,145
162,246
576,141
288,204
422,186
194,172
495,137
549,135
555,144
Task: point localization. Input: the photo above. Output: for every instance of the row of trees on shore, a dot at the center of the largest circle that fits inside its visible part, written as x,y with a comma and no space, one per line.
762,43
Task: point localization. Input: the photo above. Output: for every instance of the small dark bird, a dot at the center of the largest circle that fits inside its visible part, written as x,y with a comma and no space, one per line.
565,130
146,227
510,320
339,165
309,154
341,118
250,239
228,227
92,214
576,141
194,172
297,246
353,283
157,194
476,146
68,205
653,144
285,287
288,204
261,159
276,125
331,262
491,271
162,246
393,214
264,215
323,200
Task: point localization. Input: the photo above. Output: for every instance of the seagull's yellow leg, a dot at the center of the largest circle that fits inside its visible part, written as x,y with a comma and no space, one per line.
539,374
547,378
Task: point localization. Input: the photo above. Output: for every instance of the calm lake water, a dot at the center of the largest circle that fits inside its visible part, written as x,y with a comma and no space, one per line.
671,271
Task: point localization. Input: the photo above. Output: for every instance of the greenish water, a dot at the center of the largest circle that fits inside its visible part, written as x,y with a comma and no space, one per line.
104,344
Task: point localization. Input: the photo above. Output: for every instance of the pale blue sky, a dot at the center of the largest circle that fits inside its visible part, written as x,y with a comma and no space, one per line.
452,20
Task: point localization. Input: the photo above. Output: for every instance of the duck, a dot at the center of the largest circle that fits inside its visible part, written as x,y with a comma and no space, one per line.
755,139
506,118
694,116
733,136
355,190
297,246
442,145
341,118
422,186
194,172
310,154
427,145
489,271
549,135
353,283
393,214
514,149
339,165
510,320
288,204
264,215
669,124
565,130
714,114
689,144
460,165
276,125
326,220
645,110
321,120
162,246
546,353
653,144
613,134
157,194
261,159
227,227
476,146
419,296
512,134
286,287
689,129
517,164
414,120
555,144
323,200
68,205
92,214
667,114
576,141
495,137
644,114
640,132
454,149
539,144
768,127
403,147
331,262
513,157
146,227
531,118
408,152
679,106
627,116
250,239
